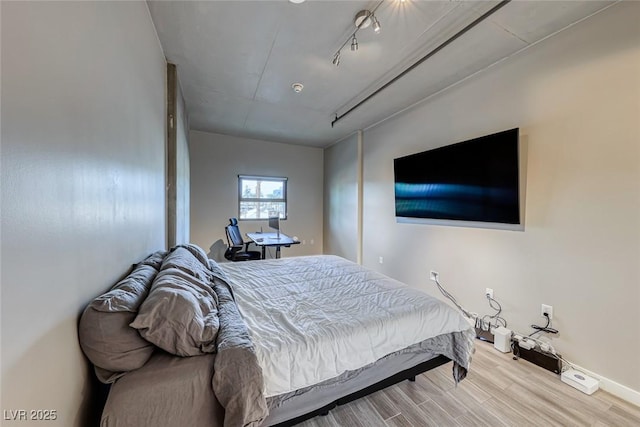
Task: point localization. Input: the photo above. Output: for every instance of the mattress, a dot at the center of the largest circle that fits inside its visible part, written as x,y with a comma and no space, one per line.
314,318
322,327
176,391
292,405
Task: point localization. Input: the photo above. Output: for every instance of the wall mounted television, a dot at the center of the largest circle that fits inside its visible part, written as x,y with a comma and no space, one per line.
472,183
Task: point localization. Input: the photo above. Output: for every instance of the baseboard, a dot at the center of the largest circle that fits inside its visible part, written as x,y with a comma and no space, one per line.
610,386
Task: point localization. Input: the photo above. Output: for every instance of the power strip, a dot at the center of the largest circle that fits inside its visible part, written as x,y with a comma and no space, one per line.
545,360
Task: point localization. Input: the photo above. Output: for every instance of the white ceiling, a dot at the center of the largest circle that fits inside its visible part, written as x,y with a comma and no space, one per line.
237,59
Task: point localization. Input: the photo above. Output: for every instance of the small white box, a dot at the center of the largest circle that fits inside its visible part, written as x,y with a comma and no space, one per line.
502,339
581,381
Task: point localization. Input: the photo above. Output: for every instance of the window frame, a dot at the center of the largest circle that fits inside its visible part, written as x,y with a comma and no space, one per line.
282,179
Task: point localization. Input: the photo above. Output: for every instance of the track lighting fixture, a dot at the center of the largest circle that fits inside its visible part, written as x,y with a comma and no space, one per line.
354,44
363,19
376,24
336,59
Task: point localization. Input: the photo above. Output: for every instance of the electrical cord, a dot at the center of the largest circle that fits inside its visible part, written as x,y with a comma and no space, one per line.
564,362
565,365
452,299
546,328
493,321
496,318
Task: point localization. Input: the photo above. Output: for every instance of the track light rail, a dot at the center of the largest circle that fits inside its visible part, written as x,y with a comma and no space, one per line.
421,60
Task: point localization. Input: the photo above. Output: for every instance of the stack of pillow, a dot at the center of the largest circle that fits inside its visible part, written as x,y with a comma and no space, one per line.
166,302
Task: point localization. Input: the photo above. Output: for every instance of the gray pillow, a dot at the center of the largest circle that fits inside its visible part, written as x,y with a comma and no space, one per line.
155,259
197,252
104,332
184,260
180,315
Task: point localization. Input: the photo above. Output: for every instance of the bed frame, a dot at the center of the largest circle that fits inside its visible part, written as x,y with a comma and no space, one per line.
407,374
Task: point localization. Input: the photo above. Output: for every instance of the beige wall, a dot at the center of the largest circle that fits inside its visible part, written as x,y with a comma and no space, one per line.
576,96
183,199
83,160
216,162
178,168
341,199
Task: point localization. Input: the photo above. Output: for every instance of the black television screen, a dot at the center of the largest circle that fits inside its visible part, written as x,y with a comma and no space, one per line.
475,180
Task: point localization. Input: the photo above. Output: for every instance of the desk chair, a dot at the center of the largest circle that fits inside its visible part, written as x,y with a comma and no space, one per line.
235,244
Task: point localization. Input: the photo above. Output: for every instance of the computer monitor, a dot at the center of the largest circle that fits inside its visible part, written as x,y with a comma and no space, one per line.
274,222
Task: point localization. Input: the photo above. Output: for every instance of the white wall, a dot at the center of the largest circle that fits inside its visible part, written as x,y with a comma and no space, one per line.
216,162
576,97
83,161
341,199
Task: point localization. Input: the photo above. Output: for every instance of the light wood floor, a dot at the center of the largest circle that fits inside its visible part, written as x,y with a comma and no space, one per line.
497,392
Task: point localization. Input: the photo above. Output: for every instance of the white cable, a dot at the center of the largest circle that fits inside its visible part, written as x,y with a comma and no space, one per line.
452,299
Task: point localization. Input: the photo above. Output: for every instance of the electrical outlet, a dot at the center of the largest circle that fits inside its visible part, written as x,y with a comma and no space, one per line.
489,292
381,260
434,275
548,309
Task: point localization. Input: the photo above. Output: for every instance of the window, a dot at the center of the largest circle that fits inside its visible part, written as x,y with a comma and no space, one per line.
260,197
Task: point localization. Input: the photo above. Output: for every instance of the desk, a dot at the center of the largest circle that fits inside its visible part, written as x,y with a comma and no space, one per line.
264,240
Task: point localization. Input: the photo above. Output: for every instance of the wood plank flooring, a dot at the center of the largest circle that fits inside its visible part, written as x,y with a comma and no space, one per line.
497,392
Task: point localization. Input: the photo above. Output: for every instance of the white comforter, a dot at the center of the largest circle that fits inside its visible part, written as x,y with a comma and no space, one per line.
313,318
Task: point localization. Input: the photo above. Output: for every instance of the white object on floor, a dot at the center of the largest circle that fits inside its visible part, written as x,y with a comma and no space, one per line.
579,380
502,339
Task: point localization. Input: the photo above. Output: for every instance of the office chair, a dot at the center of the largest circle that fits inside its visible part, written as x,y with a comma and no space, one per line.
235,244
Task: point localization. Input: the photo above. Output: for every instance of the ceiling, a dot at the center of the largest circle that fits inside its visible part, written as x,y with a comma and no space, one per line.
237,59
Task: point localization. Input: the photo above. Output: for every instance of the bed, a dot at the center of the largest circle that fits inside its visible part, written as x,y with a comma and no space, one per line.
320,331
